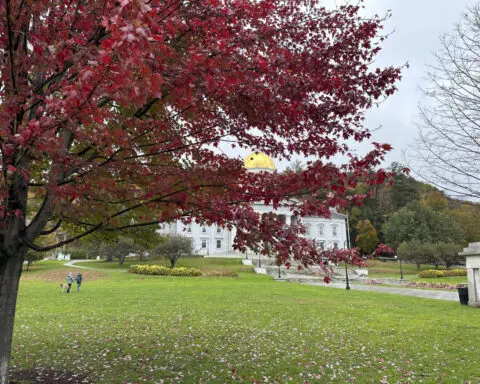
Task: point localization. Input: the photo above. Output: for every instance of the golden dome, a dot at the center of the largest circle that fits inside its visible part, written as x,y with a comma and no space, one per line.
259,160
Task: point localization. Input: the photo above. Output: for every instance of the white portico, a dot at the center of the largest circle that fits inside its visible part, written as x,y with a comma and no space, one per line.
217,241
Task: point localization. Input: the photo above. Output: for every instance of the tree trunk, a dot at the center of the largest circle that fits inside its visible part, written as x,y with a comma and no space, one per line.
121,260
172,263
10,270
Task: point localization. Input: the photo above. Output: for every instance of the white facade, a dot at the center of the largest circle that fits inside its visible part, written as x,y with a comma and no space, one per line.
206,240
214,240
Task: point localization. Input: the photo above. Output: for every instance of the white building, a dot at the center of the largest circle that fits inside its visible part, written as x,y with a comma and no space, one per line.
215,240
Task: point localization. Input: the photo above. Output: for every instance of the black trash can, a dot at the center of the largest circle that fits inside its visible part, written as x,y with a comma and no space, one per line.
463,295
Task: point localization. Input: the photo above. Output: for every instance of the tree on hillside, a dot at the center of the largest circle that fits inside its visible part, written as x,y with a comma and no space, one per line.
404,189
433,198
423,224
448,145
112,112
367,238
468,218
383,201
173,247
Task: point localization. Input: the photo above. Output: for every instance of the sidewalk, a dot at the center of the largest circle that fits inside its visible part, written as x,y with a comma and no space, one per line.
71,263
424,293
355,285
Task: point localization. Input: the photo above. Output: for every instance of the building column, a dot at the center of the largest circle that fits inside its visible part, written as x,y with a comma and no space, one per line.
288,220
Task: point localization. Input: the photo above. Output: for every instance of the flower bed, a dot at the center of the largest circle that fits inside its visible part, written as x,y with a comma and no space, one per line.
164,271
442,273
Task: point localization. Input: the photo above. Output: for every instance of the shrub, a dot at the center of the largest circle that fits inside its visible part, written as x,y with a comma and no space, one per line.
160,270
431,273
455,272
442,273
78,254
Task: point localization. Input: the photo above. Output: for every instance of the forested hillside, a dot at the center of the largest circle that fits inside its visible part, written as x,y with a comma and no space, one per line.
408,213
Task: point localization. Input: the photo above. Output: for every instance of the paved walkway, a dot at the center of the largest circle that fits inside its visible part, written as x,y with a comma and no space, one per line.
354,285
71,263
424,293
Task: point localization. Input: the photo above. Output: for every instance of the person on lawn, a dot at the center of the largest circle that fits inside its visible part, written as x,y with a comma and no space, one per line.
69,281
78,280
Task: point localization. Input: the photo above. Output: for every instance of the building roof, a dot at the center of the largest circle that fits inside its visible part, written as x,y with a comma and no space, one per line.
259,160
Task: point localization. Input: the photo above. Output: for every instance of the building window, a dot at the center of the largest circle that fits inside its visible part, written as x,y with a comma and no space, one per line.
334,230
308,229
320,229
219,244
321,245
189,227
335,245
204,243
219,229
294,220
204,229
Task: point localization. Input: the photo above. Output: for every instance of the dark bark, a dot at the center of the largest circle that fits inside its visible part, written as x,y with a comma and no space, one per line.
172,263
121,260
10,270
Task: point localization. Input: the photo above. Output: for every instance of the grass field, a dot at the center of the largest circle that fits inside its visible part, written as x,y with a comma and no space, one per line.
389,269
124,328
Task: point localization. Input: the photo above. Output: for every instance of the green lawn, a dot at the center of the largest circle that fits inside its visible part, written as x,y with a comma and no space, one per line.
390,269
124,328
377,269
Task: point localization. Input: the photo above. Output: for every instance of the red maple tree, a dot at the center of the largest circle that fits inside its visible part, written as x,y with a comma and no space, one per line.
112,112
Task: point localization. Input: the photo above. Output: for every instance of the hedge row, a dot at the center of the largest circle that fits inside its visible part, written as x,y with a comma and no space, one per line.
443,273
164,271
77,254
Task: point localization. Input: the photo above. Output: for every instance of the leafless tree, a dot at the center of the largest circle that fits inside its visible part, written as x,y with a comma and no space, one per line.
447,152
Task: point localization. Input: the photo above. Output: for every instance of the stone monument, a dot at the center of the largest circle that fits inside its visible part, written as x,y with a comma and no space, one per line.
472,254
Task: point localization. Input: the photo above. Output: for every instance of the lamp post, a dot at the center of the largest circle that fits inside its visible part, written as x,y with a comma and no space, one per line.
401,269
347,285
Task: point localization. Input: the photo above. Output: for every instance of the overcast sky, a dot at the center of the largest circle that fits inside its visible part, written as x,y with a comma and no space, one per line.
417,26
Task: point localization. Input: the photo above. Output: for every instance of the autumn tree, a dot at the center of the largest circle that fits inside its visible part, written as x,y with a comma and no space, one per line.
112,112
367,238
447,151
173,248
468,218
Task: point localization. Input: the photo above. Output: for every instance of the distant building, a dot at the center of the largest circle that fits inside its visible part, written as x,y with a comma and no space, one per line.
215,240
